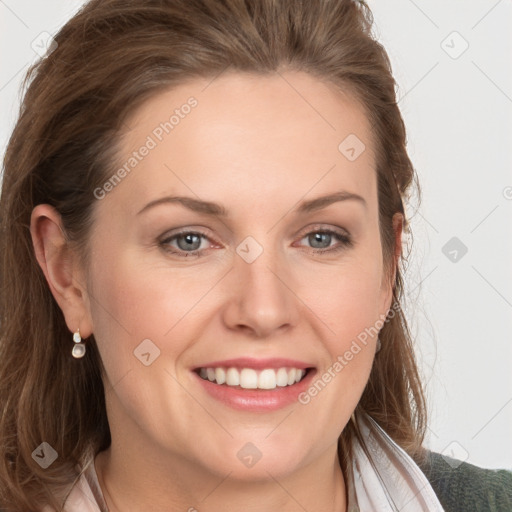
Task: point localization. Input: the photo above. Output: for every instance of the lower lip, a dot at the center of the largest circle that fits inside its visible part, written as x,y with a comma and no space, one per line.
257,400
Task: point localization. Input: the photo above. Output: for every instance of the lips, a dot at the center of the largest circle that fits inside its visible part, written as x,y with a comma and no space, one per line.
257,364
255,384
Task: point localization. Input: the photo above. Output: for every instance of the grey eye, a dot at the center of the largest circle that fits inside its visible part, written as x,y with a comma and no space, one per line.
189,241
320,240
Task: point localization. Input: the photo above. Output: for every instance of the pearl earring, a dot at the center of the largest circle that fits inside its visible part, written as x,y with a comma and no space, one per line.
79,348
379,345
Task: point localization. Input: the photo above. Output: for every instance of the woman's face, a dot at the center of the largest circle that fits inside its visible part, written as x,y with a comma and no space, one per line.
274,280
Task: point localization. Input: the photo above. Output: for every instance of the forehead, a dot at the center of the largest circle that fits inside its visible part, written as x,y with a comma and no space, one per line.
253,134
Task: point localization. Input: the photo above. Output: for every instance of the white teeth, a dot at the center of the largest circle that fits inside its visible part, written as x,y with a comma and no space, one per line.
232,377
248,378
220,375
282,377
267,379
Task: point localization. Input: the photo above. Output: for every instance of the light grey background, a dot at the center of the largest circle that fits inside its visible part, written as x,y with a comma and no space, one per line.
457,105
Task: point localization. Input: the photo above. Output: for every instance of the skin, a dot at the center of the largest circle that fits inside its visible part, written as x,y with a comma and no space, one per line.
256,146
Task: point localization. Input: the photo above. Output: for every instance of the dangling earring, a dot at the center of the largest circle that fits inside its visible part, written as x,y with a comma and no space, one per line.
379,345
79,348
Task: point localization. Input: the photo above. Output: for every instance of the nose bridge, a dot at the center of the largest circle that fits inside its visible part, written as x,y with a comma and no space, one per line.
260,299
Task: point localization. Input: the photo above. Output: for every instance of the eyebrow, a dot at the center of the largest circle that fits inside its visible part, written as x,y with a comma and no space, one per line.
215,209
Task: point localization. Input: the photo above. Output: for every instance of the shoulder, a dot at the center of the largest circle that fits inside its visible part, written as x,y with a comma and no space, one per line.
461,486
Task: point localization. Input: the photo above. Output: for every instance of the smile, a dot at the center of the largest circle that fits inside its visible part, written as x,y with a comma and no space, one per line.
250,378
255,384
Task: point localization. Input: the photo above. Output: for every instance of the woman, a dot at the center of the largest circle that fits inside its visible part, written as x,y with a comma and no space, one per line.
202,218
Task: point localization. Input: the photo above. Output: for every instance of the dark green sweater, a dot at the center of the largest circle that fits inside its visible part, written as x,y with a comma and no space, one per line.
463,487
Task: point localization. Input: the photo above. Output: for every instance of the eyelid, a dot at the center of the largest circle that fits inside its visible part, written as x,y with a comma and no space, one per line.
344,239
323,228
186,231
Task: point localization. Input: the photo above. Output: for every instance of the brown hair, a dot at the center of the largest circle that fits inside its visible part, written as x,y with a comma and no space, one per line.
110,57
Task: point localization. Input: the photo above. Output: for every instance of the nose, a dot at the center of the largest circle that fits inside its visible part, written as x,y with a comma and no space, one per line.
261,300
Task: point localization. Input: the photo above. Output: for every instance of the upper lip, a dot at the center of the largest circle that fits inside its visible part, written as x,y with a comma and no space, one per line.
260,364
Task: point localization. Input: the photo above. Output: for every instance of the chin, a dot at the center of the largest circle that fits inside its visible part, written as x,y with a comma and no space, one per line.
246,462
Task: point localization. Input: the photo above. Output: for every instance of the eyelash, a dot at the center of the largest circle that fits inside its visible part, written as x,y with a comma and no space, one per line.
344,239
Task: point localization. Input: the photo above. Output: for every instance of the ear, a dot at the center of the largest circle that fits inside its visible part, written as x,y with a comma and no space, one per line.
398,224
61,268
389,283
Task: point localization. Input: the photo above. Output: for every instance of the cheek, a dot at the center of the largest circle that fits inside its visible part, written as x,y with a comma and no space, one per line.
132,302
347,302
348,306
347,298
351,312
